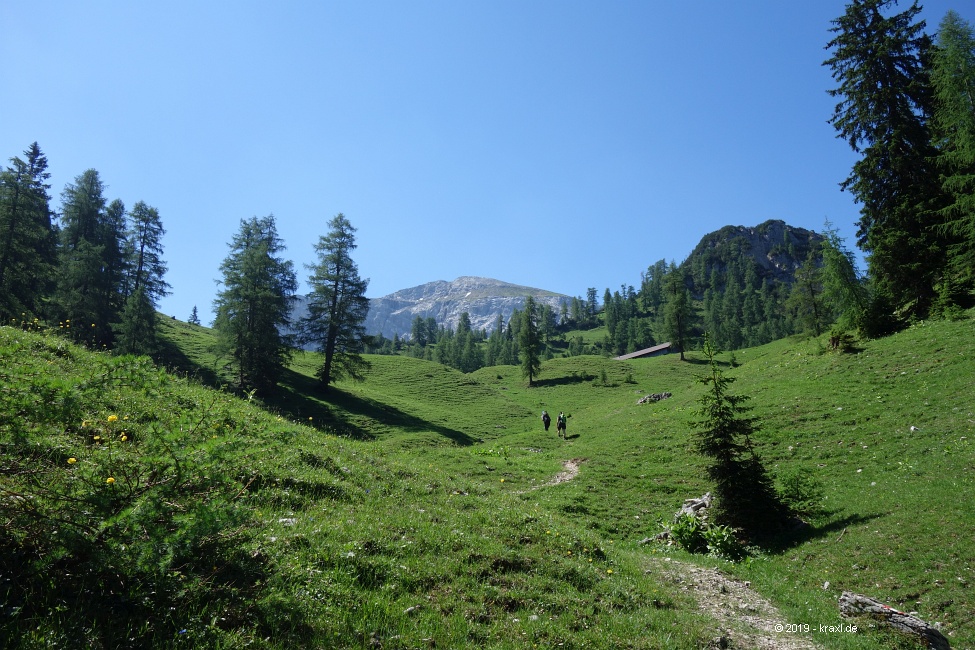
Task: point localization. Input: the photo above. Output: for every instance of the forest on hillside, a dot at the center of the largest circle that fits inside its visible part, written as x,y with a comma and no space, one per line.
94,268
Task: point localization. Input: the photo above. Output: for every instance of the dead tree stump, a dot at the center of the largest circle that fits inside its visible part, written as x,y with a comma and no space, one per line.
864,606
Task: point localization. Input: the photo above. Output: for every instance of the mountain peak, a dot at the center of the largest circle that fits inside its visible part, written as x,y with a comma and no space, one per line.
482,298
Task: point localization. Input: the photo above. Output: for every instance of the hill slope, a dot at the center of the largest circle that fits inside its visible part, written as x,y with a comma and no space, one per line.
444,523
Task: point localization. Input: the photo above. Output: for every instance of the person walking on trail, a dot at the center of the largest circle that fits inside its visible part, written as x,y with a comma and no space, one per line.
560,426
546,419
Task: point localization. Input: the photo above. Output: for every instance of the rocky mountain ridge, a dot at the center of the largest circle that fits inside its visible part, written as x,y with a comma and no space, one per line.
482,298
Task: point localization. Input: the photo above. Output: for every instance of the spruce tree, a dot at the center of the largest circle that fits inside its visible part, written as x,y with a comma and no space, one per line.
953,126
744,494
253,309
337,305
880,64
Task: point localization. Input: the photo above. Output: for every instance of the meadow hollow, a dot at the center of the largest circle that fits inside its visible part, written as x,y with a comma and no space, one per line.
428,508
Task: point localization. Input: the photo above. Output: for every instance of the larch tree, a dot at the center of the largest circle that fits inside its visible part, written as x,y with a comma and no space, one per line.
880,64
144,283
677,309
530,341
337,306
27,237
844,294
253,309
805,299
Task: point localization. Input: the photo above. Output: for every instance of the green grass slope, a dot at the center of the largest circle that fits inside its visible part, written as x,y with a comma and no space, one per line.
420,509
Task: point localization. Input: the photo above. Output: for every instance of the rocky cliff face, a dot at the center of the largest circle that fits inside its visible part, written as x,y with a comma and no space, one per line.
776,248
482,298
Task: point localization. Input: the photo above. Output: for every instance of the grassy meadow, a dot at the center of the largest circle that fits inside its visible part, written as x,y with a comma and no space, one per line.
418,509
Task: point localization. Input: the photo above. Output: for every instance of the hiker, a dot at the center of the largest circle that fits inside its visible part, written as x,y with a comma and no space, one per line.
546,419
560,426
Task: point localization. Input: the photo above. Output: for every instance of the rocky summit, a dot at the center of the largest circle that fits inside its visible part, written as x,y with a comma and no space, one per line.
482,298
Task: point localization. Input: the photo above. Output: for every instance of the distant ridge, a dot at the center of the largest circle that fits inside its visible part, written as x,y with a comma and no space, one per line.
482,298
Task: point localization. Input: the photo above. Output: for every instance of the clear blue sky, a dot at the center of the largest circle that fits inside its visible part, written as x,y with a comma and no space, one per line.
554,144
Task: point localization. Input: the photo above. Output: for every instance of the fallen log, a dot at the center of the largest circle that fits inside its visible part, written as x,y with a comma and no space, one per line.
857,605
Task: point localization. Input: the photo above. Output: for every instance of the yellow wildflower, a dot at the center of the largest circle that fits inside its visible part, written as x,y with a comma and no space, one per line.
124,438
110,480
113,418
72,461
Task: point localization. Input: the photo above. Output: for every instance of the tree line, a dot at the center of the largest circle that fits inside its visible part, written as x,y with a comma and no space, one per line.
255,322
906,105
95,269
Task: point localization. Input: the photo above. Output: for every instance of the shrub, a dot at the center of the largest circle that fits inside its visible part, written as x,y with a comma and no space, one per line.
688,531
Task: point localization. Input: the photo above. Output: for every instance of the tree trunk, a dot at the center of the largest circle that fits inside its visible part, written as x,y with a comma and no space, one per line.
864,606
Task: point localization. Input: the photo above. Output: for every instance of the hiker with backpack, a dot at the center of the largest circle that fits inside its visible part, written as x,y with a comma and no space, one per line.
560,426
546,419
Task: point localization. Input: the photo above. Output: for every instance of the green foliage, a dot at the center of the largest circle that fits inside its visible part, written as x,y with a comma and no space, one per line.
137,331
953,126
89,269
146,266
127,508
722,543
744,496
677,311
884,109
802,492
688,531
337,305
27,237
530,341
254,305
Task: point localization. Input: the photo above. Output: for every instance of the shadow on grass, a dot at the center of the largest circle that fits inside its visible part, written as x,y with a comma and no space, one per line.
301,398
574,378
808,532
171,357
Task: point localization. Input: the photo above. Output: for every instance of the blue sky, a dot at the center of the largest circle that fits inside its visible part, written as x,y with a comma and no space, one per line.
554,144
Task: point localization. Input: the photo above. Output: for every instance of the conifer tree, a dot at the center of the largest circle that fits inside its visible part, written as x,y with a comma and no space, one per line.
677,309
27,236
137,332
146,266
744,494
143,283
253,309
805,299
953,126
844,292
530,341
879,62
337,305
87,299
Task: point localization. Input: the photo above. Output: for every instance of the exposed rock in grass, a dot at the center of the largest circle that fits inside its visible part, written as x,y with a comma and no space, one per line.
655,397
